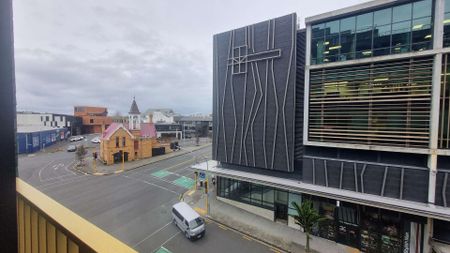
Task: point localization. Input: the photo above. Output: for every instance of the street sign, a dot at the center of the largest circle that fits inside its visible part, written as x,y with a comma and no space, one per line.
202,176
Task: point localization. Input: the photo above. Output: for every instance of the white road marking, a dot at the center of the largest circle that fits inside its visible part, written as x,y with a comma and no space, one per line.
168,240
57,166
146,182
152,234
41,169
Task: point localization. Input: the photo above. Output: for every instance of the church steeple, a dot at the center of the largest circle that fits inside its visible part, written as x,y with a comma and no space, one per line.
134,116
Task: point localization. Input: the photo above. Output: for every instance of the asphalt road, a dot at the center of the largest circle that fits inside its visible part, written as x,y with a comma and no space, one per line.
133,206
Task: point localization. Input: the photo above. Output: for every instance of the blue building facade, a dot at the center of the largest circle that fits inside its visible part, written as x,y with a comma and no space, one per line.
31,142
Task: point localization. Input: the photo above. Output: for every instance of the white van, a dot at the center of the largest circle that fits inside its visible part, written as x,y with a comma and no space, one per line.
188,220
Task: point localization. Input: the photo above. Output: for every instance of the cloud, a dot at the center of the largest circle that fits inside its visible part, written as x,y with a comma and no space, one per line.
107,51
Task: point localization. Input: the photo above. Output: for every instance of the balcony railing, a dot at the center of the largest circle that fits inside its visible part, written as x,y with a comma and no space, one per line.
44,225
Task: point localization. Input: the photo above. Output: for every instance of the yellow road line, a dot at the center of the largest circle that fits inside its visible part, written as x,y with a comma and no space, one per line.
191,192
200,210
274,250
222,227
247,238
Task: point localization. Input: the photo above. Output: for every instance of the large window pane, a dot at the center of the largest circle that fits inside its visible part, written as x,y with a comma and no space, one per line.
348,39
256,195
332,48
422,9
268,197
332,28
401,13
421,34
364,43
318,30
348,24
447,29
381,40
364,21
382,17
348,46
244,192
317,49
364,35
401,37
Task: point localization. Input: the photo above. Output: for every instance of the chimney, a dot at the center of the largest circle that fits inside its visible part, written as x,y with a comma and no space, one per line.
150,118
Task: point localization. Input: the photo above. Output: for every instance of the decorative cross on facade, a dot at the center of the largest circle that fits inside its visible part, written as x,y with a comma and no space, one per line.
241,57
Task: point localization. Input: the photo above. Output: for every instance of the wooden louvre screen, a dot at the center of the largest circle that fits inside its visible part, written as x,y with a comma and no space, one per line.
444,119
386,103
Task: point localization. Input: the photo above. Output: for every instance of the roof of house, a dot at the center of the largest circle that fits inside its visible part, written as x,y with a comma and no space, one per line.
113,128
134,108
148,130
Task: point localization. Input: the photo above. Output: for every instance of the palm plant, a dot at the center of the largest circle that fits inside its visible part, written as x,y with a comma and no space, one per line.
307,217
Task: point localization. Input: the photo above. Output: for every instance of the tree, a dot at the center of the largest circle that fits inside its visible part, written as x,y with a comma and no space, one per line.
81,153
307,217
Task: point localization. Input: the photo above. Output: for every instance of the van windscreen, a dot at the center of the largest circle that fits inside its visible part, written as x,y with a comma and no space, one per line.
195,223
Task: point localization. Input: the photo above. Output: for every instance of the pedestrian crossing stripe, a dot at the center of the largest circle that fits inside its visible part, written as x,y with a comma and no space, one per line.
161,173
185,182
163,250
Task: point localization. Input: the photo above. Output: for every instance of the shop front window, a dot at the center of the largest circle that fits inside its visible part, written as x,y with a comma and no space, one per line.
245,192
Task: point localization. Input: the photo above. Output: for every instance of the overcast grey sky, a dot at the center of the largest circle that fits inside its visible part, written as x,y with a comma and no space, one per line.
105,51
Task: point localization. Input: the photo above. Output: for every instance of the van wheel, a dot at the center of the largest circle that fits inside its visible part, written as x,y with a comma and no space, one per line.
175,222
187,235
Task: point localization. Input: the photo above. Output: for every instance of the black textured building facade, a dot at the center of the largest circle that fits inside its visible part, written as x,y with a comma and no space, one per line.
255,95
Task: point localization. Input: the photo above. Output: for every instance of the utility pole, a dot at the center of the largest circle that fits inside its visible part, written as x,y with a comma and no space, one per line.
123,161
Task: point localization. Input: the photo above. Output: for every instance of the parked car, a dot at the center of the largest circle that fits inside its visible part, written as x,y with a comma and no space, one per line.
71,148
188,221
96,140
76,138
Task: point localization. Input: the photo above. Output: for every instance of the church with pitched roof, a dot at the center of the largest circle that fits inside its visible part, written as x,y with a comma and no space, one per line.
122,142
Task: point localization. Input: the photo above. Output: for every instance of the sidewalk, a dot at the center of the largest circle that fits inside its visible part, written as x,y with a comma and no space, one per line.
270,232
101,169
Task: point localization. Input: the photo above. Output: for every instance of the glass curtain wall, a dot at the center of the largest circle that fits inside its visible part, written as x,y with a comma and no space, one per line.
398,29
447,23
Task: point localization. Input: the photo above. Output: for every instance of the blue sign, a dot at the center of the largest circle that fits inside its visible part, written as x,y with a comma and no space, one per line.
202,176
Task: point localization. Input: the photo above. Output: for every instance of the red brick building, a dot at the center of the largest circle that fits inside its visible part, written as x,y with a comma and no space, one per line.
93,118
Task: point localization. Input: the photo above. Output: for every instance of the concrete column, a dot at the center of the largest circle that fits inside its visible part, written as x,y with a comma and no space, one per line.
427,235
435,99
306,89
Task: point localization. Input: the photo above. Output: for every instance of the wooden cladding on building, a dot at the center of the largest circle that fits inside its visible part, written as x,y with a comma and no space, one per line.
386,103
39,234
444,119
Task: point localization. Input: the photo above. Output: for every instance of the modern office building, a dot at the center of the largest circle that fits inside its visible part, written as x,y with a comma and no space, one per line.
194,125
351,112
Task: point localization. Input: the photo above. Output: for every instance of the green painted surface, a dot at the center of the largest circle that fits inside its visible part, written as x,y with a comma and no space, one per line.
184,182
161,173
163,250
